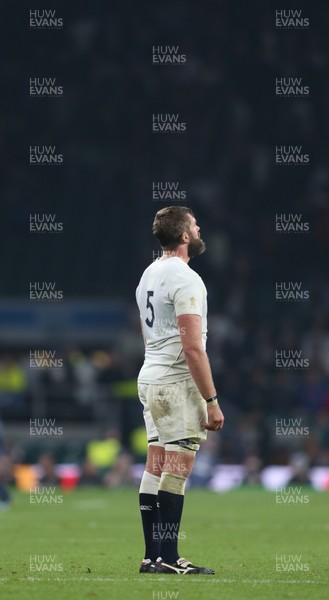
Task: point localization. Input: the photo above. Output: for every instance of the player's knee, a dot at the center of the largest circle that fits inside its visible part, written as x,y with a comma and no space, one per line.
177,469
179,460
174,484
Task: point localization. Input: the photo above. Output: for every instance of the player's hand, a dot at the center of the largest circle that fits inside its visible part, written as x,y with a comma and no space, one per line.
215,418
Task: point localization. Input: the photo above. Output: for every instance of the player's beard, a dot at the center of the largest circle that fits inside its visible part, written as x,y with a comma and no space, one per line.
196,247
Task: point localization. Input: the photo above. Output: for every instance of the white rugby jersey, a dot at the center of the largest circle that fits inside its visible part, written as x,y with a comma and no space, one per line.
168,288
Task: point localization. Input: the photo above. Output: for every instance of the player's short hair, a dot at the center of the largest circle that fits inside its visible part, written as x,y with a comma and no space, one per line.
170,223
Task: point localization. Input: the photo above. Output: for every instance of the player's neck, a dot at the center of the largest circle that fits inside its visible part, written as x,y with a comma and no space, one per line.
180,252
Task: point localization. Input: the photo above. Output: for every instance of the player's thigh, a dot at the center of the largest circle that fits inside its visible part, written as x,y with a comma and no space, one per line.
152,433
179,463
155,458
178,410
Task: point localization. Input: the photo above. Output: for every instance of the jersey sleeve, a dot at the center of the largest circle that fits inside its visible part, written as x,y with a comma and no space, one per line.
188,296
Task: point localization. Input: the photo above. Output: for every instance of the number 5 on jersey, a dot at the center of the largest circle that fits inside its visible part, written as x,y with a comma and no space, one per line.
149,305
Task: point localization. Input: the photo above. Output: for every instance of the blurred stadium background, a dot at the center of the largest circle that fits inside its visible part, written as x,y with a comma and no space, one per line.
103,195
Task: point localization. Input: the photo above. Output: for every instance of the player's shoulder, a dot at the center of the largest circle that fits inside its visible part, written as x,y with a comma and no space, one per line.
182,277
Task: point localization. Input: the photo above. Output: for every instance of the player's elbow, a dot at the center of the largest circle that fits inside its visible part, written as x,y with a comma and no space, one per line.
193,352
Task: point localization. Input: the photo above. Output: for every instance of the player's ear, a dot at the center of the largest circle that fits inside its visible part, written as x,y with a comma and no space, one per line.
185,237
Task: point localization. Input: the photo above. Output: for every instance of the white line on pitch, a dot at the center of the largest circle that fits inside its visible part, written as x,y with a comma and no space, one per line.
157,578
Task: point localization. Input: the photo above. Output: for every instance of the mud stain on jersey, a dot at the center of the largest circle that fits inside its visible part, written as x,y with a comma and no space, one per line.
160,408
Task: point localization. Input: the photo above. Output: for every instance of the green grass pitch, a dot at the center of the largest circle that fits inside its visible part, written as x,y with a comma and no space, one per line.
93,545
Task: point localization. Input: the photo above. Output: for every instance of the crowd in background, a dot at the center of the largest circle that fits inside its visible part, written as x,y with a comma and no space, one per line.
98,387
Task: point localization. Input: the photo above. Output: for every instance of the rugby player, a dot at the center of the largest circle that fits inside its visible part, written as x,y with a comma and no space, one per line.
175,386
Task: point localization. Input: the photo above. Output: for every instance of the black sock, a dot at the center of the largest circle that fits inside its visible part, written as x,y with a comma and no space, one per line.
148,504
171,508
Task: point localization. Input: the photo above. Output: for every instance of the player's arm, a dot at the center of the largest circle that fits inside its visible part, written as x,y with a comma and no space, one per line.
190,327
